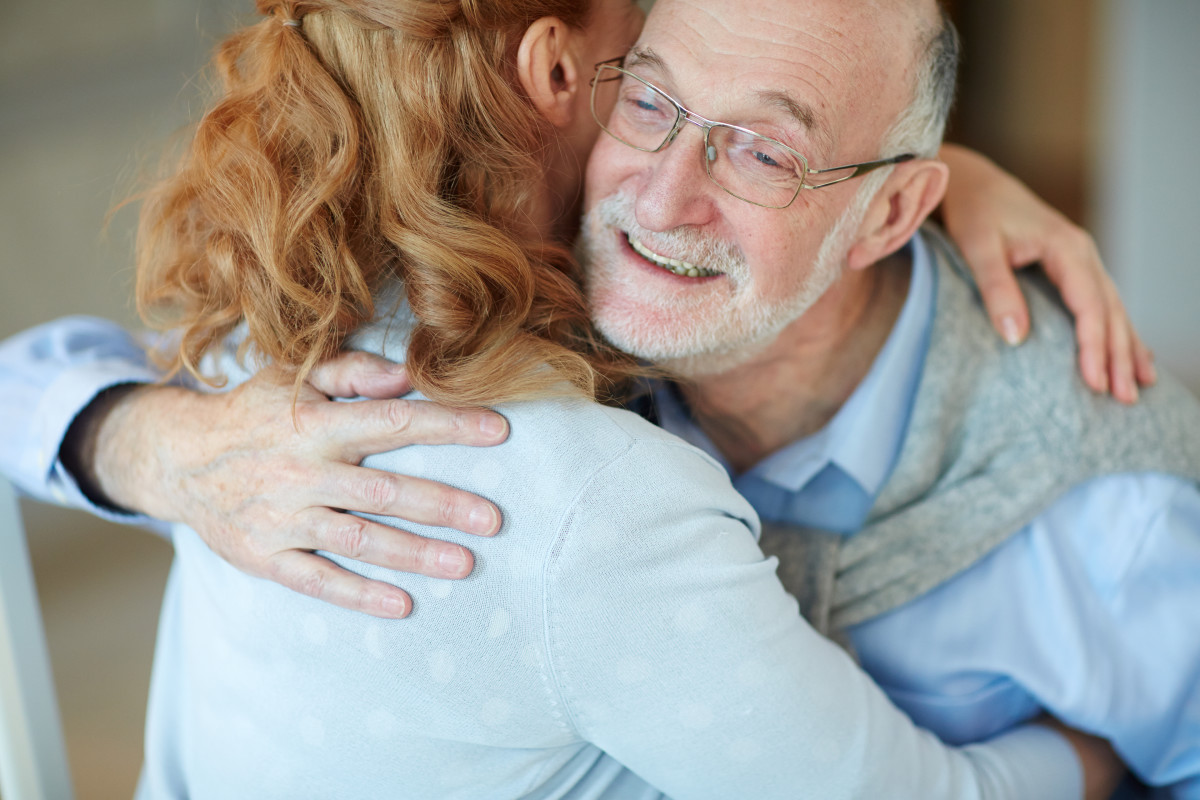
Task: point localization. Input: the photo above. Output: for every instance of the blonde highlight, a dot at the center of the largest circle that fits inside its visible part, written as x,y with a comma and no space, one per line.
377,141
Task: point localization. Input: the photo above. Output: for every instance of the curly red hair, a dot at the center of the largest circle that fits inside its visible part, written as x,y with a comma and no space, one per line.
381,140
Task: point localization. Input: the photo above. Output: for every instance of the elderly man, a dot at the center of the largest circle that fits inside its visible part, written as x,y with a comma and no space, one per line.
835,360
991,539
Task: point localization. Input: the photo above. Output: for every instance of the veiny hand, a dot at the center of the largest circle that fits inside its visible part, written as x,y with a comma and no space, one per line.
1001,226
264,489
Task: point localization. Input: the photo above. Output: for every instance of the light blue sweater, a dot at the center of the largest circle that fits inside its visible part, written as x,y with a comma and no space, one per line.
622,637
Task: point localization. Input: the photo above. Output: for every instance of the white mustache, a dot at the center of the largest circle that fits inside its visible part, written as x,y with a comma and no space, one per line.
686,244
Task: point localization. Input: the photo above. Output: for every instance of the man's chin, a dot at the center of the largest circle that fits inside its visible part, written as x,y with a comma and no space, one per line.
647,339
682,356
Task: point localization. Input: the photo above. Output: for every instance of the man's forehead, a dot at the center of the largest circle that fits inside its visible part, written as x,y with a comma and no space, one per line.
814,60
644,58
843,31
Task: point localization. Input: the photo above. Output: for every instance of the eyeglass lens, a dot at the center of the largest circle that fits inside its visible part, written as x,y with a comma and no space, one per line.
744,164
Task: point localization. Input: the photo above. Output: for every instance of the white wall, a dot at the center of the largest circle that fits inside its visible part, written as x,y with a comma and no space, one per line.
1147,170
87,97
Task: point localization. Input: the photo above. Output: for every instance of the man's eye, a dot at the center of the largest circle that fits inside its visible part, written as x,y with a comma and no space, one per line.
645,105
765,159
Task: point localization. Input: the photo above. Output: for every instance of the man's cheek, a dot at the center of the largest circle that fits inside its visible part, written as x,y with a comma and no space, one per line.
604,171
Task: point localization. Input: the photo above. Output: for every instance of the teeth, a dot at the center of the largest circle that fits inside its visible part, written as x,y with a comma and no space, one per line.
671,264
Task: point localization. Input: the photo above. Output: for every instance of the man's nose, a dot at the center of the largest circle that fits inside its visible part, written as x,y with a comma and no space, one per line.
677,190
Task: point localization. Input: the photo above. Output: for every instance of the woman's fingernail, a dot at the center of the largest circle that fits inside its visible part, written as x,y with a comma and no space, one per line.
1129,390
1011,331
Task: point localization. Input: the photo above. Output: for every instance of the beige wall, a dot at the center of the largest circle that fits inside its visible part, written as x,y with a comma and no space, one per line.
1024,93
87,92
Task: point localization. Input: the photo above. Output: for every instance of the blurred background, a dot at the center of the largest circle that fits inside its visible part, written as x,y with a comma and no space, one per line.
1091,102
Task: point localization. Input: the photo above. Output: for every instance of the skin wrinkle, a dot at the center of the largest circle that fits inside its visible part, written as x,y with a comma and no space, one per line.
811,126
858,85
802,112
823,56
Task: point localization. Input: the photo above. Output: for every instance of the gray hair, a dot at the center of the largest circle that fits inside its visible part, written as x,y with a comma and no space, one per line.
920,127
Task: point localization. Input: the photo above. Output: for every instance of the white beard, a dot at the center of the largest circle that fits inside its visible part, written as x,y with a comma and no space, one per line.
704,334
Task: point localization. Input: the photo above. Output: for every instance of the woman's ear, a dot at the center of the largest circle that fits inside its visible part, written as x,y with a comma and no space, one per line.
905,200
548,69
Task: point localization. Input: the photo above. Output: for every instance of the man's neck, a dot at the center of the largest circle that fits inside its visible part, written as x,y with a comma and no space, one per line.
797,385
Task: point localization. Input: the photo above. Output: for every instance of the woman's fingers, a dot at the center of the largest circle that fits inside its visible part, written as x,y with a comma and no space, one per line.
1143,362
1001,226
1121,366
1072,263
998,286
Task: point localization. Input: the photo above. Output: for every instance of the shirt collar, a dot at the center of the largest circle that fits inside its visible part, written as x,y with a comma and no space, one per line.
864,437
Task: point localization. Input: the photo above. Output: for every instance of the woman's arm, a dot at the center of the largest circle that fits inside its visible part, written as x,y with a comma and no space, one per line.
676,650
1001,226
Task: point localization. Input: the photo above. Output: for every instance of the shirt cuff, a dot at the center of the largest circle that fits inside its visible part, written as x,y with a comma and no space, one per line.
69,394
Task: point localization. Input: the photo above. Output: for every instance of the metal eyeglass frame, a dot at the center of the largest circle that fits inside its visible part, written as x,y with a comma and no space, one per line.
684,114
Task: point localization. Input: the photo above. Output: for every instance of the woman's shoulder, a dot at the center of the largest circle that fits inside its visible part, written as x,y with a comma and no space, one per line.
580,436
617,472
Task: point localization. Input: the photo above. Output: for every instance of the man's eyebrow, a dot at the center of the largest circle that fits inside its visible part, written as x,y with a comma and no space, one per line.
644,56
801,112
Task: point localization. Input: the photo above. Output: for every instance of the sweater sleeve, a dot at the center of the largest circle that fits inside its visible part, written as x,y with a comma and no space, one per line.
676,650
49,374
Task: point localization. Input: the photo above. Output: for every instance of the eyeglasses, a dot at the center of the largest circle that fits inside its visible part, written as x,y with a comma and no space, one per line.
751,167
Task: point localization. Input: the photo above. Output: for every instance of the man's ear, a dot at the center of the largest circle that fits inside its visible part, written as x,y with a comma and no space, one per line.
548,70
907,198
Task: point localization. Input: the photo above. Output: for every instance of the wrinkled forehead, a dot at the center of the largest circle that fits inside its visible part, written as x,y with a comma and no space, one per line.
834,65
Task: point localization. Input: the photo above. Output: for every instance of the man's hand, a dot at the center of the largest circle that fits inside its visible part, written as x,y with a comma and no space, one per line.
1103,770
264,489
1001,226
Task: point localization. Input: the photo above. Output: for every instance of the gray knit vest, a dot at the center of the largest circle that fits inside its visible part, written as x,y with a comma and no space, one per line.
997,434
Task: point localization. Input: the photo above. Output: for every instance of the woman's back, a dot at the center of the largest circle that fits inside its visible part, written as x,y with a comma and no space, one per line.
488,689
622,637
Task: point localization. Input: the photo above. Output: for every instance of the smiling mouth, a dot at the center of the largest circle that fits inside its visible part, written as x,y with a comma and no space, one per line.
681,268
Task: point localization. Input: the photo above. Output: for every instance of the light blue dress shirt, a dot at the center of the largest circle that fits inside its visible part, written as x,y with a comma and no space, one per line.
1092,612
48,374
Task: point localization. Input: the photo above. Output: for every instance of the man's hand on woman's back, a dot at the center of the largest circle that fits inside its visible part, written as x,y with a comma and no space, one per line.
265,487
